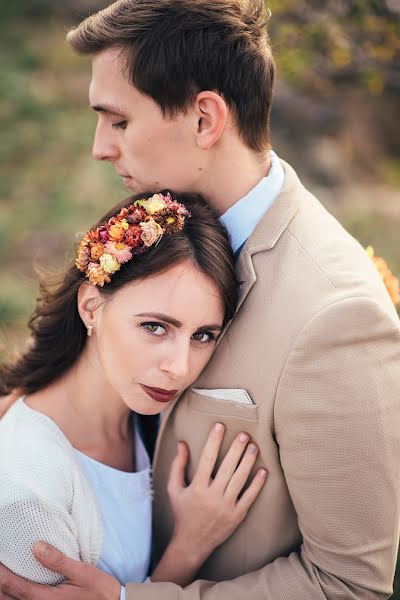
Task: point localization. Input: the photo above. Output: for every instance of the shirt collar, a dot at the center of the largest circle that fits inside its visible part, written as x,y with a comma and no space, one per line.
242,218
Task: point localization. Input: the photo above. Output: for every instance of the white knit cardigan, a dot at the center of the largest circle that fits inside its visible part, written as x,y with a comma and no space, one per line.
44,495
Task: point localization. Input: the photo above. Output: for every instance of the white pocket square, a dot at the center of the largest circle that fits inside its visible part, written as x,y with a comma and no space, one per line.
229,395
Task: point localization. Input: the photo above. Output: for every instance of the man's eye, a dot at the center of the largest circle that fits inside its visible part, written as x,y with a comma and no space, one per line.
154,328
120,125
204,337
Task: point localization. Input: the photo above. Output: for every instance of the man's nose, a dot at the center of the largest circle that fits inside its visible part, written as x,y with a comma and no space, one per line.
104,146
176,361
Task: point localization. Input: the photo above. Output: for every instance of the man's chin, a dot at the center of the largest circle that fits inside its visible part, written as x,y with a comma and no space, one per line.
140,188
129,183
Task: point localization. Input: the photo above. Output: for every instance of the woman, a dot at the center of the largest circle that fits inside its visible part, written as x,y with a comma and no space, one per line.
132,324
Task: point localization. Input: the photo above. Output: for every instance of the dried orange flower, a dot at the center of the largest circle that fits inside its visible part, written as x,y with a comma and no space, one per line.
116,232
96,251
96,275
391,282
83,254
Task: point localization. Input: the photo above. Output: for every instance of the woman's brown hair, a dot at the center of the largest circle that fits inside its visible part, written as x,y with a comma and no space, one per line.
58,333
174,49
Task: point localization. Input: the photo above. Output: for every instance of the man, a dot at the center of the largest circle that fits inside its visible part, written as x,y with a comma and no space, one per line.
309,367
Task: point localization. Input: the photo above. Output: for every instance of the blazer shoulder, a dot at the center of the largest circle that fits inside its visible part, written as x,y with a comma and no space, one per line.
327,250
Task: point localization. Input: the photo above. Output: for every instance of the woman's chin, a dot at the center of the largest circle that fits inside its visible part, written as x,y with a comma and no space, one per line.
146,407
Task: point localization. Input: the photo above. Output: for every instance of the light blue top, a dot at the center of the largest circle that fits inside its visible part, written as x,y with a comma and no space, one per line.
242,218
125,503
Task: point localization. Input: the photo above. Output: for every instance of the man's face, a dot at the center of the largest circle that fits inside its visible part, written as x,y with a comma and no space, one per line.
148,151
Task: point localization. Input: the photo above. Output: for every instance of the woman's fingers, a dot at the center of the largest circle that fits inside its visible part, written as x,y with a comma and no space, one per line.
209,455
231,461
242,473
247,499
177,476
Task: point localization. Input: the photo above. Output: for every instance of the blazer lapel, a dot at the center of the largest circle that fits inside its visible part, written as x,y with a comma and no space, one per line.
268,231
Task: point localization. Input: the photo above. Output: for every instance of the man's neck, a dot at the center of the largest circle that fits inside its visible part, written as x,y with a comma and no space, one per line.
234,174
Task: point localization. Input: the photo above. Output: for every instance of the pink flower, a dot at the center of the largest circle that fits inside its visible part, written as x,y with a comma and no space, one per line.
119,250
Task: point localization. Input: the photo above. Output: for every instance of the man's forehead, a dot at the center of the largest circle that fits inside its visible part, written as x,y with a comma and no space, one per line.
109,90
109,58
105,98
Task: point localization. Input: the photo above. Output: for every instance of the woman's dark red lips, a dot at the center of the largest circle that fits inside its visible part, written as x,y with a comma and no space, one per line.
159,394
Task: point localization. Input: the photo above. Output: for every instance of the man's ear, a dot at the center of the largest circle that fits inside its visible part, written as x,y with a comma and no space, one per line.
89,300
212,113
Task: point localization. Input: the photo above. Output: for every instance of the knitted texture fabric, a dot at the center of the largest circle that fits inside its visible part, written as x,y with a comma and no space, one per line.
43,496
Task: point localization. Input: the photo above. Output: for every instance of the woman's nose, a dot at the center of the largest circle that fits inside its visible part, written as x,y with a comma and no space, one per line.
176,361
104,146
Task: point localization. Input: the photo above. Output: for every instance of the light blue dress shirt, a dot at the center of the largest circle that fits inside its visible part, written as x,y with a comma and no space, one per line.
242,218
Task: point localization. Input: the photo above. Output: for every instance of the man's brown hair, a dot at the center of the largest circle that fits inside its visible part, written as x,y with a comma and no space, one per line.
173,49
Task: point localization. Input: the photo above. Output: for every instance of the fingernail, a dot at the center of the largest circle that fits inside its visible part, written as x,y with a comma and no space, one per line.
243,437
262,473
42,549
218,427
252,448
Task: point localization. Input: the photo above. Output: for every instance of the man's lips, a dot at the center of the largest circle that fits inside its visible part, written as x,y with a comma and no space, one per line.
126,178
159,395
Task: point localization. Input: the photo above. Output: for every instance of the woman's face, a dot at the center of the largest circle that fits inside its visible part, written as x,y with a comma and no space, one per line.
153,337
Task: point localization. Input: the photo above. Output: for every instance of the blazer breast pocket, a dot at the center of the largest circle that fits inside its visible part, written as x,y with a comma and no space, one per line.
223,403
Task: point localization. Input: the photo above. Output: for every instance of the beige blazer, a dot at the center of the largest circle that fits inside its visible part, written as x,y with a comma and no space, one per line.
316,345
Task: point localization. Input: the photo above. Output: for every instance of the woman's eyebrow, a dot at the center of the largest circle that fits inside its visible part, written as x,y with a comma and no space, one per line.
161,317
210,328
174,322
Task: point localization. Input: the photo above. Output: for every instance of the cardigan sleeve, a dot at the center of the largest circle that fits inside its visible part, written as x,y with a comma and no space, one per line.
43,496
25,519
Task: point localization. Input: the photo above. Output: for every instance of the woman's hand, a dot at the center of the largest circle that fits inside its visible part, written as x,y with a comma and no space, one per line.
208,510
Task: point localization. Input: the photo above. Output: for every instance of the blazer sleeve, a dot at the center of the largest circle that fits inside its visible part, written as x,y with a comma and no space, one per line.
337,423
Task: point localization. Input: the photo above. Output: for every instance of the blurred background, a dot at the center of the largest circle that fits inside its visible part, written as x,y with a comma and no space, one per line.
335,118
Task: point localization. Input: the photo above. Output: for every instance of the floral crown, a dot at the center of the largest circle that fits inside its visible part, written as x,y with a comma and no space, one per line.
132,231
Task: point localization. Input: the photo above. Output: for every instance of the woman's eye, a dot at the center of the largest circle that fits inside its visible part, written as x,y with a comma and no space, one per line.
204,337
120,125
154,328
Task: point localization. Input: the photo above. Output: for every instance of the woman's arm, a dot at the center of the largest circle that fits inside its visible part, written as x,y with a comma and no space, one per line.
24,519
207,511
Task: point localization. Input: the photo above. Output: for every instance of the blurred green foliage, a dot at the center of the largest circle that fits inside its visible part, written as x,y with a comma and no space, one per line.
319,46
